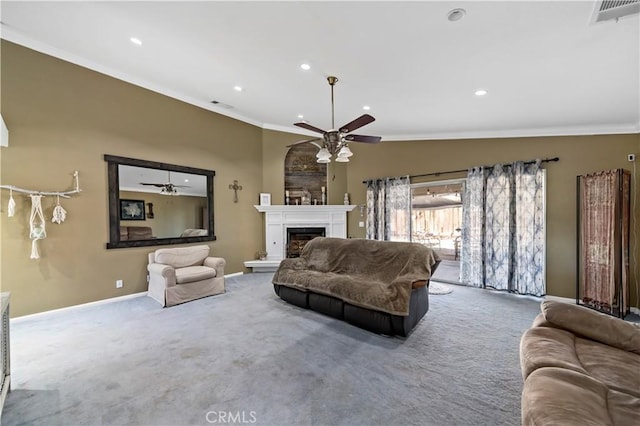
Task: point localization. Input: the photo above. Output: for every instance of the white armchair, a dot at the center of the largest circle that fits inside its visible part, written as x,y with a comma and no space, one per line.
178,275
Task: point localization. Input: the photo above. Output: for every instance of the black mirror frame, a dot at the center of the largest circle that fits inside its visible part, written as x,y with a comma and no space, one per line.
114,201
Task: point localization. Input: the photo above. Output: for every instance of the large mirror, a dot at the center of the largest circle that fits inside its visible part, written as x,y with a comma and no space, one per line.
153,203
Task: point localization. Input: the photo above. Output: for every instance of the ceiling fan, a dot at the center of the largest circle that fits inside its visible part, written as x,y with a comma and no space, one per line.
335,142
166,188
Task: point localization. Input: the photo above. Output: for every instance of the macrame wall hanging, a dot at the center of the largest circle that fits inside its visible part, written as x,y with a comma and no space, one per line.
37,227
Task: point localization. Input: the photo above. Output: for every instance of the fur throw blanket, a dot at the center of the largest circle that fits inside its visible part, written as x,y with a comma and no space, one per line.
377,275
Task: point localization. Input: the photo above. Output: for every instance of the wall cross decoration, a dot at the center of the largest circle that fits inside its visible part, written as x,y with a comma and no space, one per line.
235,188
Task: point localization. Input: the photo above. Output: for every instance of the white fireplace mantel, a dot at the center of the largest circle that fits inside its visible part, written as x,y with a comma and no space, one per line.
333,218
338,208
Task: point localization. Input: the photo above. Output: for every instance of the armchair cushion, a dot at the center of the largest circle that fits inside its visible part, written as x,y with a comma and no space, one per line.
190,274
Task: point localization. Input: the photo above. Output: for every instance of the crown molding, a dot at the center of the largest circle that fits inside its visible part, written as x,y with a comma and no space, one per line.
522,133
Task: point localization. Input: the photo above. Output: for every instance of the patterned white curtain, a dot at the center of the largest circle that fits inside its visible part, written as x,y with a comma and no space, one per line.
472,232
503,232
389,209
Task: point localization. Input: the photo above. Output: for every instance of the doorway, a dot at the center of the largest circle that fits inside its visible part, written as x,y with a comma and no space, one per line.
436,221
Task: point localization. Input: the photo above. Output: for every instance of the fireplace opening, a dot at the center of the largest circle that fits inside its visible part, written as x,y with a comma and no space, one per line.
298,237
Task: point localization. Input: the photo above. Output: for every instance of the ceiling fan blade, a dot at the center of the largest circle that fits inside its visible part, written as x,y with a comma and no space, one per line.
363,120
304,141
159,185
363,138
309,127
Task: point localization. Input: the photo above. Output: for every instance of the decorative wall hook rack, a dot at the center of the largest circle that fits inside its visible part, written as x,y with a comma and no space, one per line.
36,220
64,194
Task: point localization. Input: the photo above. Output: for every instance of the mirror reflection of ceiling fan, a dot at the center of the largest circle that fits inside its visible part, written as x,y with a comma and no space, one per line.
166,188
335,142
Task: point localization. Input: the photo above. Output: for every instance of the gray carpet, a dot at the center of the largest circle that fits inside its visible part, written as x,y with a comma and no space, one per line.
448,271
247,353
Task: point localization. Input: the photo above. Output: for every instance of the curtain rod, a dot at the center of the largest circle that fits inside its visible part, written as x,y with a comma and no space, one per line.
546,160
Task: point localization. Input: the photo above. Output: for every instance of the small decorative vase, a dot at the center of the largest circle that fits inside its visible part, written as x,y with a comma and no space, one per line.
346,198
306,198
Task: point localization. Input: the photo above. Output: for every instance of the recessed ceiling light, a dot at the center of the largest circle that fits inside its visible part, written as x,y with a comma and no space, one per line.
186,180
237,88
305,66
481,92
366,107
136,40
456,14
300,116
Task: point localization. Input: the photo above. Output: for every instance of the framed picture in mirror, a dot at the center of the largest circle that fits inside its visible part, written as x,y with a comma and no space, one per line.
132,210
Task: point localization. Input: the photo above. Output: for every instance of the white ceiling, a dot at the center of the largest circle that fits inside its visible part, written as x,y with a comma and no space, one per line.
548,70
131,178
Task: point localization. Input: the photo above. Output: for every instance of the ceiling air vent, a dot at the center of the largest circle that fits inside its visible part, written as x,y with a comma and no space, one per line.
606,10
222,105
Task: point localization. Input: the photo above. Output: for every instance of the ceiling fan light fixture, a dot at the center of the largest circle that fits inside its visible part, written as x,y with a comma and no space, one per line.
335,140
168,191
323,153
344,152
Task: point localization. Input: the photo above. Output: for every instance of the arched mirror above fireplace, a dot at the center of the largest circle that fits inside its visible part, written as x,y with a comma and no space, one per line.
304,176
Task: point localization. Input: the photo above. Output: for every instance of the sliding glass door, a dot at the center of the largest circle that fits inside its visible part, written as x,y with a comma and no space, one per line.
436,216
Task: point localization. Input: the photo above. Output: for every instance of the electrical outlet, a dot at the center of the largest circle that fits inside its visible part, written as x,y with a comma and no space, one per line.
361,224
119,283
631,157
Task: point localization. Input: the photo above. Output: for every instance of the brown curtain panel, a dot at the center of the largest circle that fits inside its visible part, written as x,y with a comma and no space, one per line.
604,236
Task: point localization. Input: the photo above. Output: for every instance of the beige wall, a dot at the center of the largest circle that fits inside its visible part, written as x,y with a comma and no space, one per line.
172,215
578,155
64,118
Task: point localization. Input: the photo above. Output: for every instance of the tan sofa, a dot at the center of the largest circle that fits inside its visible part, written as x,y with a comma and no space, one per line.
580,367
178,275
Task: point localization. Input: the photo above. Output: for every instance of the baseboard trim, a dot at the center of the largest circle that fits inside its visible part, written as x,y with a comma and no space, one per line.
560,299
96,303
83,305
235,274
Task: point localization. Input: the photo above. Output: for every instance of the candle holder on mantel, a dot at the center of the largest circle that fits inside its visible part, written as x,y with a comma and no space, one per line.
323,200
286,198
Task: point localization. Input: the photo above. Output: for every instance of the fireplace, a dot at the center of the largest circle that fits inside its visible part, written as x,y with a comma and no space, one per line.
298,237
277,219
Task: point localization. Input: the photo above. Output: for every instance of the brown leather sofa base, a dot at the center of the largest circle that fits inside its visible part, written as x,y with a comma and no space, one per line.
368,319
